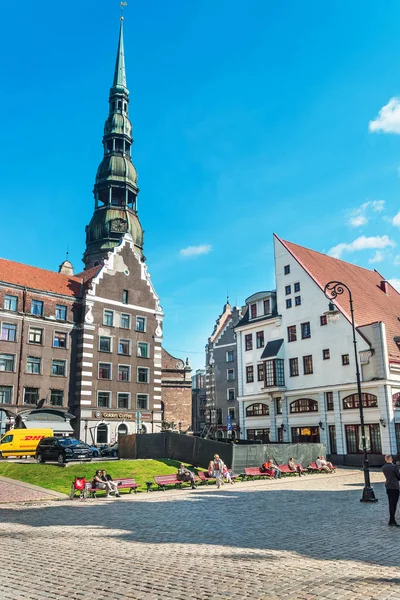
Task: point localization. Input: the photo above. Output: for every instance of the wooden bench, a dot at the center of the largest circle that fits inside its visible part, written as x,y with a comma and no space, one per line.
312,468
284,469
162,481
205,478
253,472
124,483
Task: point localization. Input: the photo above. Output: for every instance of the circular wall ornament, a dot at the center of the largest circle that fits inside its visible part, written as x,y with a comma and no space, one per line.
97,414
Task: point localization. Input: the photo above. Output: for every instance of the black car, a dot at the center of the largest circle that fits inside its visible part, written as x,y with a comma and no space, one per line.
62,449
110,450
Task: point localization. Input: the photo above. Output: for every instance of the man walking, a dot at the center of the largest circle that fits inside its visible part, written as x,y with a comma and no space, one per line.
392,476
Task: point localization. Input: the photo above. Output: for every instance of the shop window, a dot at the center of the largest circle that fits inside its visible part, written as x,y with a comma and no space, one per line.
305,435
372,439
261,435
102,434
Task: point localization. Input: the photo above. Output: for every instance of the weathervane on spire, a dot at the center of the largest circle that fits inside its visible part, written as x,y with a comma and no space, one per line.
122,5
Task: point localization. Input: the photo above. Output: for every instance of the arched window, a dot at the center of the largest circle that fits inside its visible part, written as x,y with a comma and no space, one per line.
119,104
122,429
102,434
368,401
257,410
304,405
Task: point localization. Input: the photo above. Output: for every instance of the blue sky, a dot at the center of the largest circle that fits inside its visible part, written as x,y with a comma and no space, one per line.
249,118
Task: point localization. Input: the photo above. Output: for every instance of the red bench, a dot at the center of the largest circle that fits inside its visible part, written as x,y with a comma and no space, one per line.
124,483
284,469
163,480
253,472
205,478
312,468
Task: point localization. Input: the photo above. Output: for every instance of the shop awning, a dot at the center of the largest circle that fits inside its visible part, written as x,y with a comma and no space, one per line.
271,350
56,426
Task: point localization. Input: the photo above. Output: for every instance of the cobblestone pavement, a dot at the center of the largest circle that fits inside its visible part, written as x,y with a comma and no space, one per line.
307,538
16,491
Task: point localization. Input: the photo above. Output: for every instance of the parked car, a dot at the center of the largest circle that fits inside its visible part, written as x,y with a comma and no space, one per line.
95,450
62,449
112,450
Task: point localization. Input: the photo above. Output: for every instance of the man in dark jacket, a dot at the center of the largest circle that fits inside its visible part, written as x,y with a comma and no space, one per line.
392,475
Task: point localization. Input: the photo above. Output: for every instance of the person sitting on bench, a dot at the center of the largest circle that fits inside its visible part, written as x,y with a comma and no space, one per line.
272,468
184,474
211,468
108,480
293,467
227,475
323,465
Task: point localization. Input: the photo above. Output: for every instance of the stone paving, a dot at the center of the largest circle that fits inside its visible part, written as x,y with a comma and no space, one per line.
17,491
305,539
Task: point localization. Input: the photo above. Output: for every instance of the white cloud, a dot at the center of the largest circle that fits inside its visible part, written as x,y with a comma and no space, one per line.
361,243
396,220
359,216
196,250
395,283
377,258
388,119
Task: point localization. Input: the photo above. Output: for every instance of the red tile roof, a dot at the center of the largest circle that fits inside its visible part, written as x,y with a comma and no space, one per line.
39,279
371,303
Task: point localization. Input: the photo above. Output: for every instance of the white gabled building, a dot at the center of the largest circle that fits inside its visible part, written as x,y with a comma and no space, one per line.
313,370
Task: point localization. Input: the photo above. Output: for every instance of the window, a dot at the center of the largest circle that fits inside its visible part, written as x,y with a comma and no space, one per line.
258,409
297,300
7,362
108,318
249,374
231,414
332,439
35,335
372,439
304,405
288,303
125,296
104,344
230,356
260,339
297,287
323,320
258,434
37,308
329,400
33,364
141,324
307,365
142,401
8,332
345,359
286,269
61,312
260,372
288,289
102,434
219,416
248,341
368,401
31,395
305,435
305,330
143,375
278,406
274,373
253,310
230,374
58,367
103,399
231,394
267,306
143,349
60,339
125,321
56,397
123,400
104,370
326,354
280,435
124,347
124,373
291,333
5,394
293,367
10,302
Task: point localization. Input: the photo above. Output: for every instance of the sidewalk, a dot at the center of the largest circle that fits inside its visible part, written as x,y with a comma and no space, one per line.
18,491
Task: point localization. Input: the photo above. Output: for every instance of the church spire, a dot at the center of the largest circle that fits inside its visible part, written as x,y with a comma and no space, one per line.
115,189
120,73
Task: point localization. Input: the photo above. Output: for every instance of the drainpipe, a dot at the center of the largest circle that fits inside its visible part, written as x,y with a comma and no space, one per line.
21,347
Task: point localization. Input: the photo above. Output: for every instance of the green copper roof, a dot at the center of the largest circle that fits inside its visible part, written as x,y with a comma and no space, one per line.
119,73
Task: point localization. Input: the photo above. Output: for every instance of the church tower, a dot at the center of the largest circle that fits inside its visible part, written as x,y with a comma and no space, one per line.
115,190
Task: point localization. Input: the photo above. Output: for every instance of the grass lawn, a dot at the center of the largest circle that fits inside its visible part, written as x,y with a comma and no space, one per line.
59,479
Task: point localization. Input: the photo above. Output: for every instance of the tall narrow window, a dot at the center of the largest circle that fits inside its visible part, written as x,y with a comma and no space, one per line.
124,373
125,297
124,347
267,306
61,312
108,318
248,341
125,321
141,324
249,374
307,365
305,330
293,367
253,310
260,372
329,400
143,349
288,290
291,333
10,302
286,269
260,339
37,308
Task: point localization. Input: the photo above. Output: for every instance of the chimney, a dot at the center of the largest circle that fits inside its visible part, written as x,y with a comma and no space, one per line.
384,285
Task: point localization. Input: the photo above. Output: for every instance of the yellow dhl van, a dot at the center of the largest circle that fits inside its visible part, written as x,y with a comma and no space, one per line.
22,442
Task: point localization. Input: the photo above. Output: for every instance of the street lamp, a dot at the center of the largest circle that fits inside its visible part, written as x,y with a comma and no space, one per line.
331,291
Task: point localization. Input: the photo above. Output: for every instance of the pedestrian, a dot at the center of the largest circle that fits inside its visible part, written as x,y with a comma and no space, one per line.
392,476
184,474
218,468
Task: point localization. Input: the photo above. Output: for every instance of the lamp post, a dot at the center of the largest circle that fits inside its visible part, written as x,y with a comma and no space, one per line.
331,291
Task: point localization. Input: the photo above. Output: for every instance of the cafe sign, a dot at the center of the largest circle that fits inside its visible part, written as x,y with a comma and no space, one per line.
122,416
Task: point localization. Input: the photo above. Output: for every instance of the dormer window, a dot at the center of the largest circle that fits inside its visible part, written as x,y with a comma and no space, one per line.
267,306
253,310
